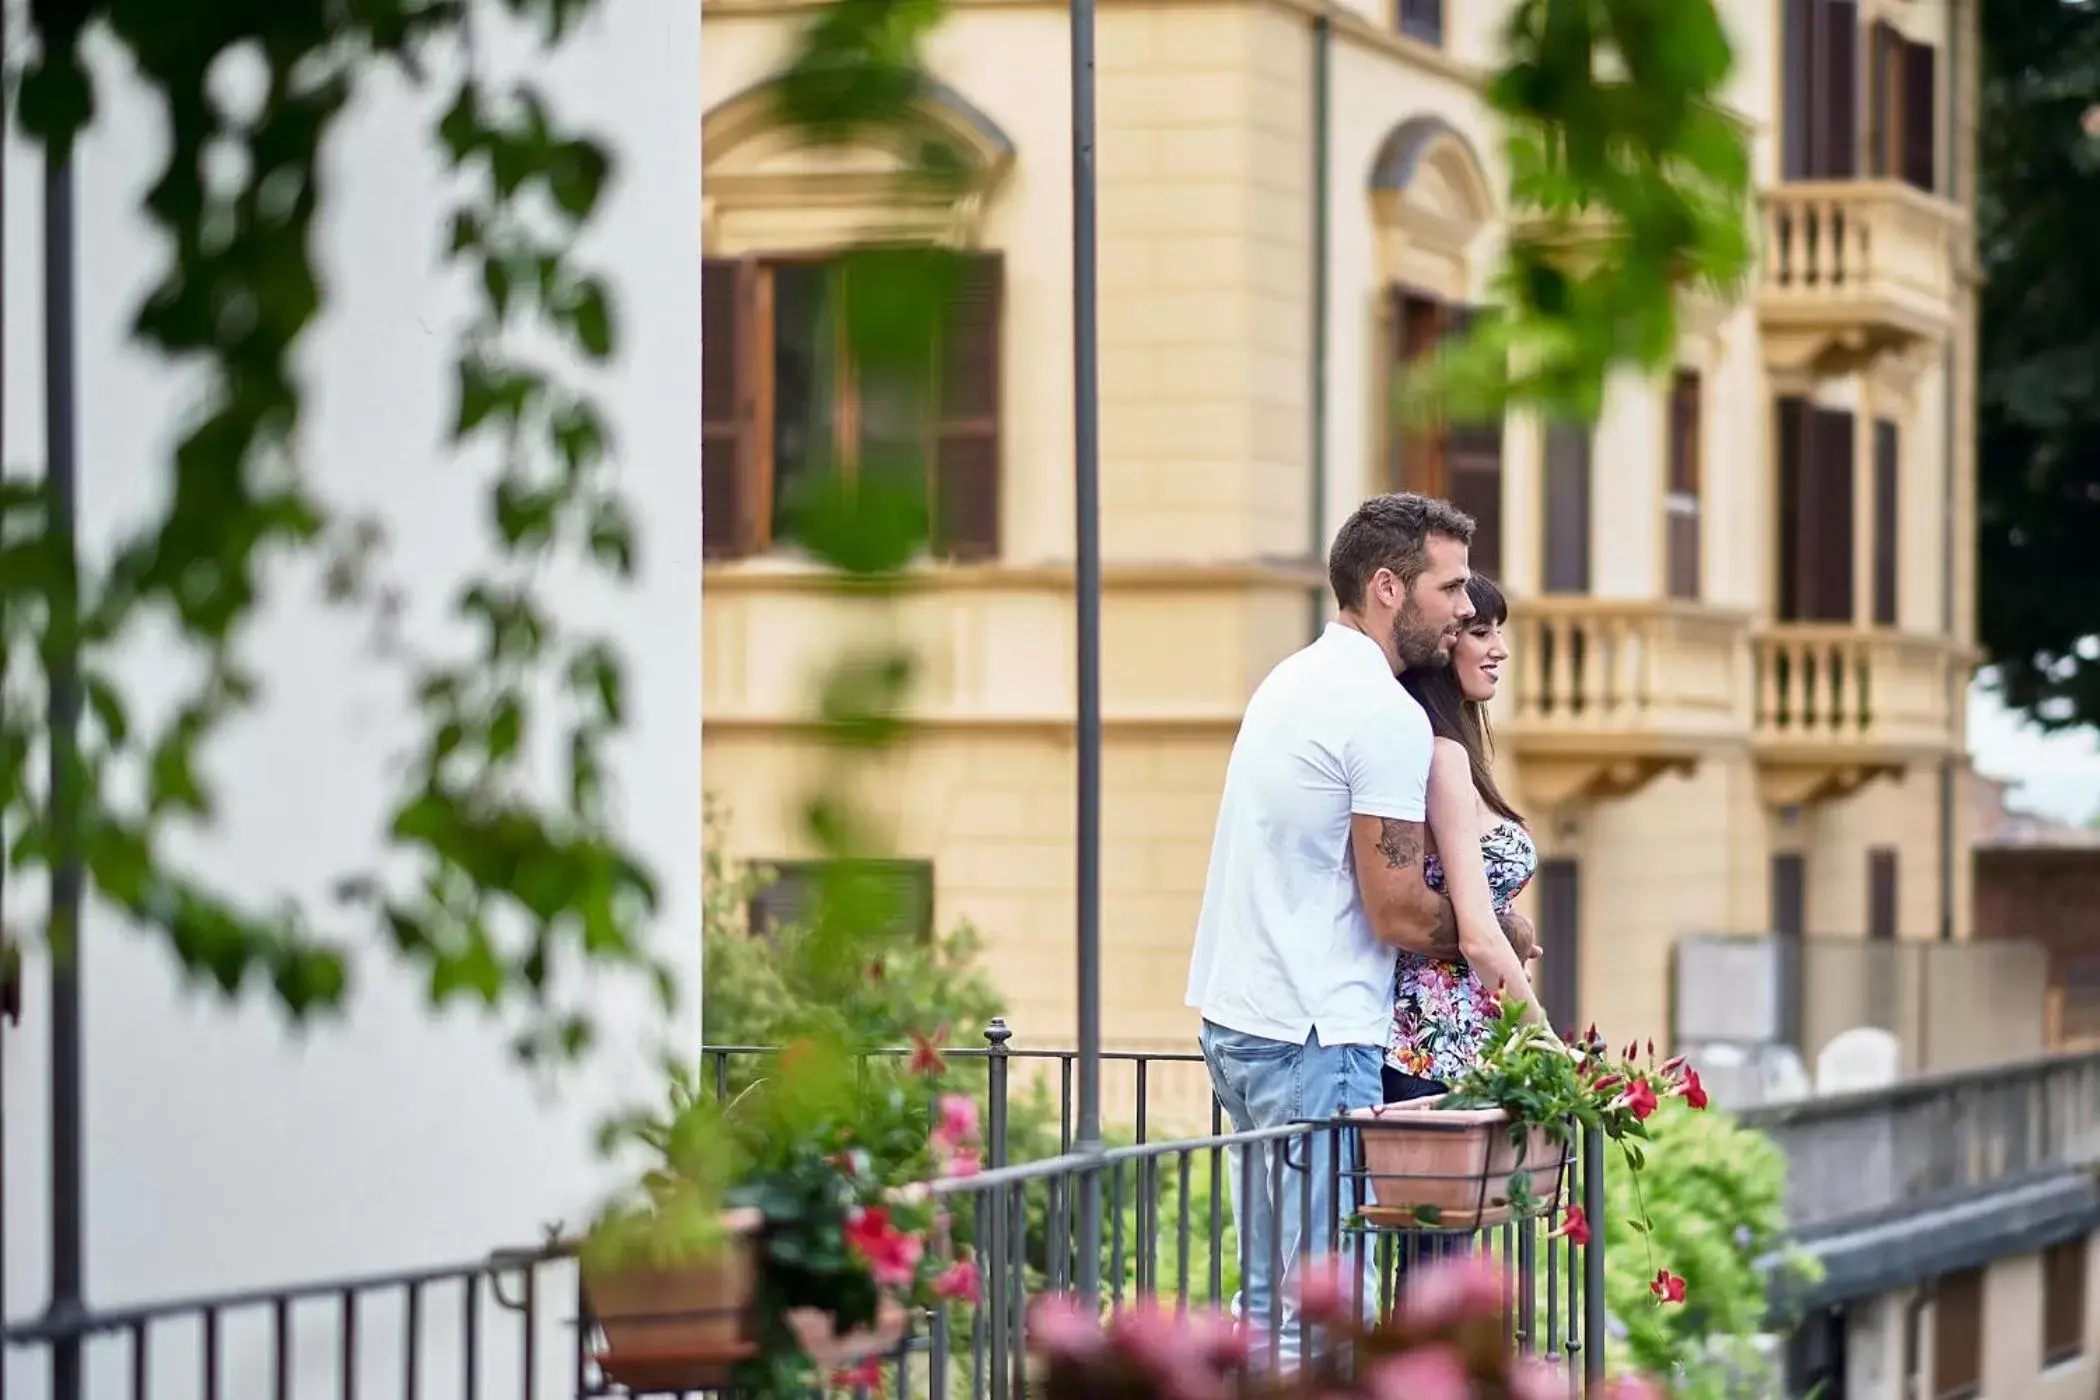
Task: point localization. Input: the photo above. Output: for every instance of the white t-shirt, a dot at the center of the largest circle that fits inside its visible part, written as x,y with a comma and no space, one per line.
1283,946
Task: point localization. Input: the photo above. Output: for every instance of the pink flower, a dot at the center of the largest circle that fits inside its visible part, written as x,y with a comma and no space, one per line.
1063,1329
1222,1339
1427,1373
958,1282
1633,1388
1574,1227
962,1163
892,1256
1667,1288
1320,1292
1539,1380
1451,1291
1174,1354
958,1120
1691,1090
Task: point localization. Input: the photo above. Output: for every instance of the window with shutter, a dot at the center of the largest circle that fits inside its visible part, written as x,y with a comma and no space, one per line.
790,898
1472,457
1788,876
1815,512
1883,893
1681,506
1820,61
1560,940
1567,508
1422,19
2063,1300
1416,324
1887,481
1460,462
1920,111
1957,1335
1839,71
782,401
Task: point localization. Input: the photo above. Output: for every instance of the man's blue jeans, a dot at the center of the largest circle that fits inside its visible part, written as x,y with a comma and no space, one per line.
1270,1084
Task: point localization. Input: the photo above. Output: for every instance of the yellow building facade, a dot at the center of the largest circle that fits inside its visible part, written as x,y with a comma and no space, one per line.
1743,597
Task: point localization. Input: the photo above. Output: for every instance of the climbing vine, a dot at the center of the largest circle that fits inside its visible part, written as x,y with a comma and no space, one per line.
482,885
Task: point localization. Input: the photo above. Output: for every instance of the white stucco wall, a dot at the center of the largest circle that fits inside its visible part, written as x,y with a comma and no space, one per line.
223,1150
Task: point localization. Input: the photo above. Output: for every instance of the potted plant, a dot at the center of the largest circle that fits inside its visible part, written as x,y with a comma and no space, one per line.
1473,1156
840,1151
670,1268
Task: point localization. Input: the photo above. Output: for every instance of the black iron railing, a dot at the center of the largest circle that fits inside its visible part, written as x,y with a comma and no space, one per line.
518,1322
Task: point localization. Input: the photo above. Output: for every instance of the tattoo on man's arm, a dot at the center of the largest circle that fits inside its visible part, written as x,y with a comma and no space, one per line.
1400,841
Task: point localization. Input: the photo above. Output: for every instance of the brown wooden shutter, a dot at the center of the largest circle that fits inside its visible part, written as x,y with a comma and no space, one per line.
1887,481
1920,154
1473,471
1838,69
965,490
1681,526
728,433
1790,432
1560,939
1567,507
1957,1335
1884,99
2063,1300
1827,518
1882,893
1798,119
1414,459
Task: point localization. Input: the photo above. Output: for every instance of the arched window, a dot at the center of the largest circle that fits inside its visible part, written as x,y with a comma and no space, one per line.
1431,207
781,394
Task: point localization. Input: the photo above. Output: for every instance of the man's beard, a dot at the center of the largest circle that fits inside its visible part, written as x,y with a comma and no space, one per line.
1419,646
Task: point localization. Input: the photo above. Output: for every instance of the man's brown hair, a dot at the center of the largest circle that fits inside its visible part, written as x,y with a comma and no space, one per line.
1390,532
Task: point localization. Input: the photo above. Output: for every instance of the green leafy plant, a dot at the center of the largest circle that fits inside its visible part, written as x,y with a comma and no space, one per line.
1715,1195
672,1214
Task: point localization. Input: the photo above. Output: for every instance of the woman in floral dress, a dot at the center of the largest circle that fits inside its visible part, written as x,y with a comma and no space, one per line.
1483,859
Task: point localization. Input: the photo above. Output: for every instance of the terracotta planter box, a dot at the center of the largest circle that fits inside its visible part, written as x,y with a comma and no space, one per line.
678,1328
1458,1162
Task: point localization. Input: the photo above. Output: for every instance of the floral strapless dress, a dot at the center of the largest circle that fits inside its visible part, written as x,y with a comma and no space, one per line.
1440,1010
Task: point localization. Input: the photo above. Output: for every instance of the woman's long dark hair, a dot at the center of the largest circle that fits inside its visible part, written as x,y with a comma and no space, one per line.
1451,715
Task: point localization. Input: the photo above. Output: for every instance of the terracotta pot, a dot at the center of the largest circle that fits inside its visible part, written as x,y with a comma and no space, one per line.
814,1329
1457,1161
679,1328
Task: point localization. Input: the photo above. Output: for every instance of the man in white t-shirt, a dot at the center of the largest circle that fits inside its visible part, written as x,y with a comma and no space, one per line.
1315,874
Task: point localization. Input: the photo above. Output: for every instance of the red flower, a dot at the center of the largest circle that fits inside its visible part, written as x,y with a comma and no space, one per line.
890,1254
1691,1090
1667,1288
958,1282
861,1375
926,1056
1639,1099
1574,1227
